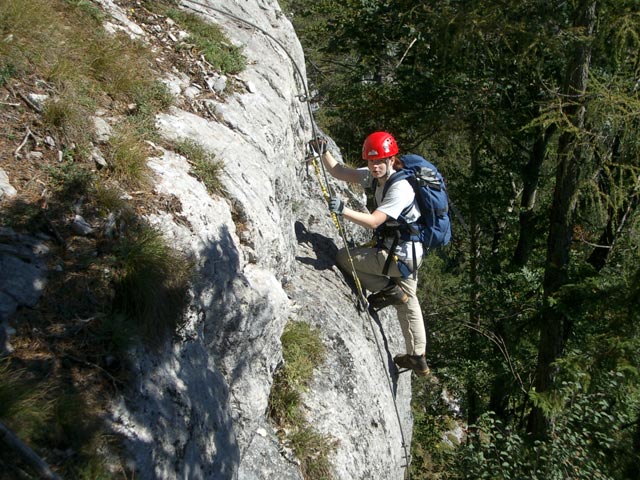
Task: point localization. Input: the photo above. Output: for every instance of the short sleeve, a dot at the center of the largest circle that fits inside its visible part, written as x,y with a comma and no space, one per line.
399,196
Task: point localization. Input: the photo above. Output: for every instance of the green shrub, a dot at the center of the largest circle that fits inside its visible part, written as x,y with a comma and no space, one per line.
22,216
70,179
6,72
586,430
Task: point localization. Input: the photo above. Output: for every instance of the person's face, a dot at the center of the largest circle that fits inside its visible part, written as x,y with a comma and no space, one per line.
378,168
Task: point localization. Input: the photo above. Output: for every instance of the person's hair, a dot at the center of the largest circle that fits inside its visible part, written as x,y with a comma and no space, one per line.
396,163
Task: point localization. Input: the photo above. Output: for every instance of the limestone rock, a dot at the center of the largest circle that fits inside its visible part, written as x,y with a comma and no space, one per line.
103,130
23,276
264,256
80,226
6,189
98,158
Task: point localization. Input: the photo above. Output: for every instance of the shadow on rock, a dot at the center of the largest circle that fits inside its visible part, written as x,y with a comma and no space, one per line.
324,248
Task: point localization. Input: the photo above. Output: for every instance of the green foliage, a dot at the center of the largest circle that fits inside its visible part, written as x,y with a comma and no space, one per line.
109,199
128,159
23,216
25,28
43,414
302,350
434,424
206,37
205,167
115,334
149,98
70,179
88,8
151,283
586,432
94,469
478,88
313,449
24,404
6,72
67,116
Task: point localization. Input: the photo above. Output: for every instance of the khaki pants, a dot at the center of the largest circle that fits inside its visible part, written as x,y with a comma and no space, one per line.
369,263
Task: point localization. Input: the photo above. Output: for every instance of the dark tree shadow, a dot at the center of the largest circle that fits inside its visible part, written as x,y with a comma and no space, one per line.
188,418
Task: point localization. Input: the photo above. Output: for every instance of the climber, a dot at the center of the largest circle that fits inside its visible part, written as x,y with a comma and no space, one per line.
392,280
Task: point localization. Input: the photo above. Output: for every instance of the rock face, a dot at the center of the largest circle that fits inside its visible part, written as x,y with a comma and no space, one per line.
23,278
264,256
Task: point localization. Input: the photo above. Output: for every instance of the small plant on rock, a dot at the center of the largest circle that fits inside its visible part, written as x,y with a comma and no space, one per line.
151,284
205,167
302,349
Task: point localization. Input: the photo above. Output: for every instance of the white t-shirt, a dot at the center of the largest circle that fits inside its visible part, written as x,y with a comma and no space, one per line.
399,197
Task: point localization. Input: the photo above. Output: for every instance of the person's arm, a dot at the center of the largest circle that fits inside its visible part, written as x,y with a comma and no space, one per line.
367,220
339,171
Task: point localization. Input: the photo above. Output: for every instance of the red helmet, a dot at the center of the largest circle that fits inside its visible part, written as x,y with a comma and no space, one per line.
379,145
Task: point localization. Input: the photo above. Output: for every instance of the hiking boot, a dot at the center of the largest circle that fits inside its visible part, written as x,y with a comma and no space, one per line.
393,295
417,363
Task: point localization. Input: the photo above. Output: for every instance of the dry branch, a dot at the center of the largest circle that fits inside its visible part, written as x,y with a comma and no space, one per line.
28,134
29,102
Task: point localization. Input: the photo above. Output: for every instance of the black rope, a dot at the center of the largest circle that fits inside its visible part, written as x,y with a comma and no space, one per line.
314,131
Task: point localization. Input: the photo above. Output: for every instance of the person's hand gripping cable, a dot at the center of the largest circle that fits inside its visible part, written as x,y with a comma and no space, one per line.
336,205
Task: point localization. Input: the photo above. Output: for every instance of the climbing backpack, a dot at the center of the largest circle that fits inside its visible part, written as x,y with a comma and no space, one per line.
433,227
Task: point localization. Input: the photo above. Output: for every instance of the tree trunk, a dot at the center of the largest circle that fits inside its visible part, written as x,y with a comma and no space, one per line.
499,396
617,214
473,398
554,326
530,178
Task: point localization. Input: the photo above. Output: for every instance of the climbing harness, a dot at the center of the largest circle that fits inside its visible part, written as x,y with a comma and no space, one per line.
325,186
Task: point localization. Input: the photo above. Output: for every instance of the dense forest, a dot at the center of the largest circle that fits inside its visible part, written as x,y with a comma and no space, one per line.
531,111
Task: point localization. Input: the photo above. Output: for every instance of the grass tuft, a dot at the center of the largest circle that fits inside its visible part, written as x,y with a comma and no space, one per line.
109,198
302,350
128,159
151,287
205,37
24,405
205,167
66,115
313,450
87,8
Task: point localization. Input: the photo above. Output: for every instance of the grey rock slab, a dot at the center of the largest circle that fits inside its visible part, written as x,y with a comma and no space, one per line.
263,255
6,189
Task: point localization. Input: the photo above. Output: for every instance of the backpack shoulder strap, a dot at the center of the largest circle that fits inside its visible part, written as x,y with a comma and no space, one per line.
403,174
395,177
